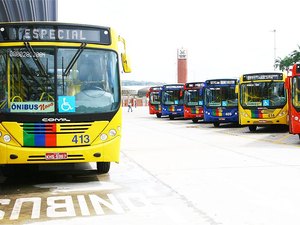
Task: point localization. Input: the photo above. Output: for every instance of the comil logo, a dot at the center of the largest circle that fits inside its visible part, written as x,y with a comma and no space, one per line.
55,120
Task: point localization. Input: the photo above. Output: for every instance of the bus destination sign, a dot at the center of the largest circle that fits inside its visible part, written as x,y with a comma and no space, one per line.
263,76
156,88
221,82
195,85
54,33
174,86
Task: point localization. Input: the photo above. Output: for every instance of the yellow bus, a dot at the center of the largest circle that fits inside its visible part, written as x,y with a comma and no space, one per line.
262,100
60,94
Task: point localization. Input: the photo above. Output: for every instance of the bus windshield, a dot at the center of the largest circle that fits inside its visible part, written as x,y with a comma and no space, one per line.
172,97
154,98
221,96
296,92
58,80
265,94
193,98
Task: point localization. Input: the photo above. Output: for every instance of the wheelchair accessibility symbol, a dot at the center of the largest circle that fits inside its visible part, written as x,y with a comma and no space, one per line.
66,104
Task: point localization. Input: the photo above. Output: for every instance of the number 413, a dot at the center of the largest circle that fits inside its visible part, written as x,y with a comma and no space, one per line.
81,139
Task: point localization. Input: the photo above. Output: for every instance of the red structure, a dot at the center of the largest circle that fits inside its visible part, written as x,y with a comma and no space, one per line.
181,65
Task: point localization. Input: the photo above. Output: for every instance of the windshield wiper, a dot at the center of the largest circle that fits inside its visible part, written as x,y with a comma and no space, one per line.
36,59
74,59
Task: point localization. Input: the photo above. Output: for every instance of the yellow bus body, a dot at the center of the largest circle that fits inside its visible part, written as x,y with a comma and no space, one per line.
96,149
267,116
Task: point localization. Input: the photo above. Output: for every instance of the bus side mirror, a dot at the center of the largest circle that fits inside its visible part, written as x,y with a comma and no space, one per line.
237,89
287,83
125,63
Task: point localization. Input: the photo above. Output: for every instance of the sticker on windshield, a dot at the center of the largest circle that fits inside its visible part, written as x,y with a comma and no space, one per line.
200,102
66,104
224,103
40,107
266,102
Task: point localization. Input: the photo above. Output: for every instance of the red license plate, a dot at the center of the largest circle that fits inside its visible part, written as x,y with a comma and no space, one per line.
56,156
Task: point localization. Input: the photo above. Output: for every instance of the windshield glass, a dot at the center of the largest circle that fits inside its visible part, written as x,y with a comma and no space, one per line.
29,83
193,98
172,97
267,94
221,96
154,98
296,92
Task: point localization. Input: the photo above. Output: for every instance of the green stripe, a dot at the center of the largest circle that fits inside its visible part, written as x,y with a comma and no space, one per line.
28,139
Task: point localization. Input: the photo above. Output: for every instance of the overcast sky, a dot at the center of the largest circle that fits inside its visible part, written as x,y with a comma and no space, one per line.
224,38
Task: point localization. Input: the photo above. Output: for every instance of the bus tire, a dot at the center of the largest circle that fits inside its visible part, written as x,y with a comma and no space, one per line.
103,167
158,115
171,117
216,124
252,128
195,120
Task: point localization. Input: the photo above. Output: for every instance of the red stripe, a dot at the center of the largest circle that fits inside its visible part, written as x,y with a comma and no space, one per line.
51,136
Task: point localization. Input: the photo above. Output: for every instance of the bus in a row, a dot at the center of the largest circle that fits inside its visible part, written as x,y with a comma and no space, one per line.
60,94
256,99
292,85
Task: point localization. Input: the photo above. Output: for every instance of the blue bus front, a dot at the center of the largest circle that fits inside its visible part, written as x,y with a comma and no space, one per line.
221,101
172,100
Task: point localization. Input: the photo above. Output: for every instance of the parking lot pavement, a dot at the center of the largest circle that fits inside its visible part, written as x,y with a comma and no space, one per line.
229,174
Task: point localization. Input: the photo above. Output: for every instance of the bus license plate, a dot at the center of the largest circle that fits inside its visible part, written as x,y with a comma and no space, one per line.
56,155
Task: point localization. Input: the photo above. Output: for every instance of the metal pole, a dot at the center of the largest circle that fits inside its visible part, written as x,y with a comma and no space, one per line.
274,49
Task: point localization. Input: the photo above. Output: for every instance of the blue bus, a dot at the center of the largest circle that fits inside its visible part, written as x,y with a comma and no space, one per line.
220,101
172,100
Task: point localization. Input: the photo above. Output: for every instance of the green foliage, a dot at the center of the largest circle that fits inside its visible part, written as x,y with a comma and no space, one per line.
285,63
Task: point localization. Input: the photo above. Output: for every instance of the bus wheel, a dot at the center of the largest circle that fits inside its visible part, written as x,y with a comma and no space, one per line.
103,167
171,117
216,124
195,120
158,115
252,128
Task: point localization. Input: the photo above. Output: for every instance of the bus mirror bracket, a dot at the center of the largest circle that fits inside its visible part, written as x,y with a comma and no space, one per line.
125,63
124,57
287,83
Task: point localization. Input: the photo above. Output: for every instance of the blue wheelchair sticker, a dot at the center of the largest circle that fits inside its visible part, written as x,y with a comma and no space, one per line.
66,104
224,103
266,102
200,102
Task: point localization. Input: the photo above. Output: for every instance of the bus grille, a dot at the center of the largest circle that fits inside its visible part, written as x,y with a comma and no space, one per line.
51,134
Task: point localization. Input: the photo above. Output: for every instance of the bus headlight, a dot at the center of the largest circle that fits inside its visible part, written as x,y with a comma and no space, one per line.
296,118
6,138
112,132
103,137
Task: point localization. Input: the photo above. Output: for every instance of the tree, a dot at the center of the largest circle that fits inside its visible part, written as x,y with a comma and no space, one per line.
296,55
285,63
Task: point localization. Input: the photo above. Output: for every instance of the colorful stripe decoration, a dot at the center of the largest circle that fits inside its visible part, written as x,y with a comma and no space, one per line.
172,108
217,112
257,114
195,110
39,134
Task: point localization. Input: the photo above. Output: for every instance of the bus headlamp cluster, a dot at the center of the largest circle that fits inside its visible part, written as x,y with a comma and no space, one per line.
110,134
282,113
6,137
244,114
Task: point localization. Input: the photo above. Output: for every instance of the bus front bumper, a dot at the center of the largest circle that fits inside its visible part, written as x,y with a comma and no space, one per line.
105,152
